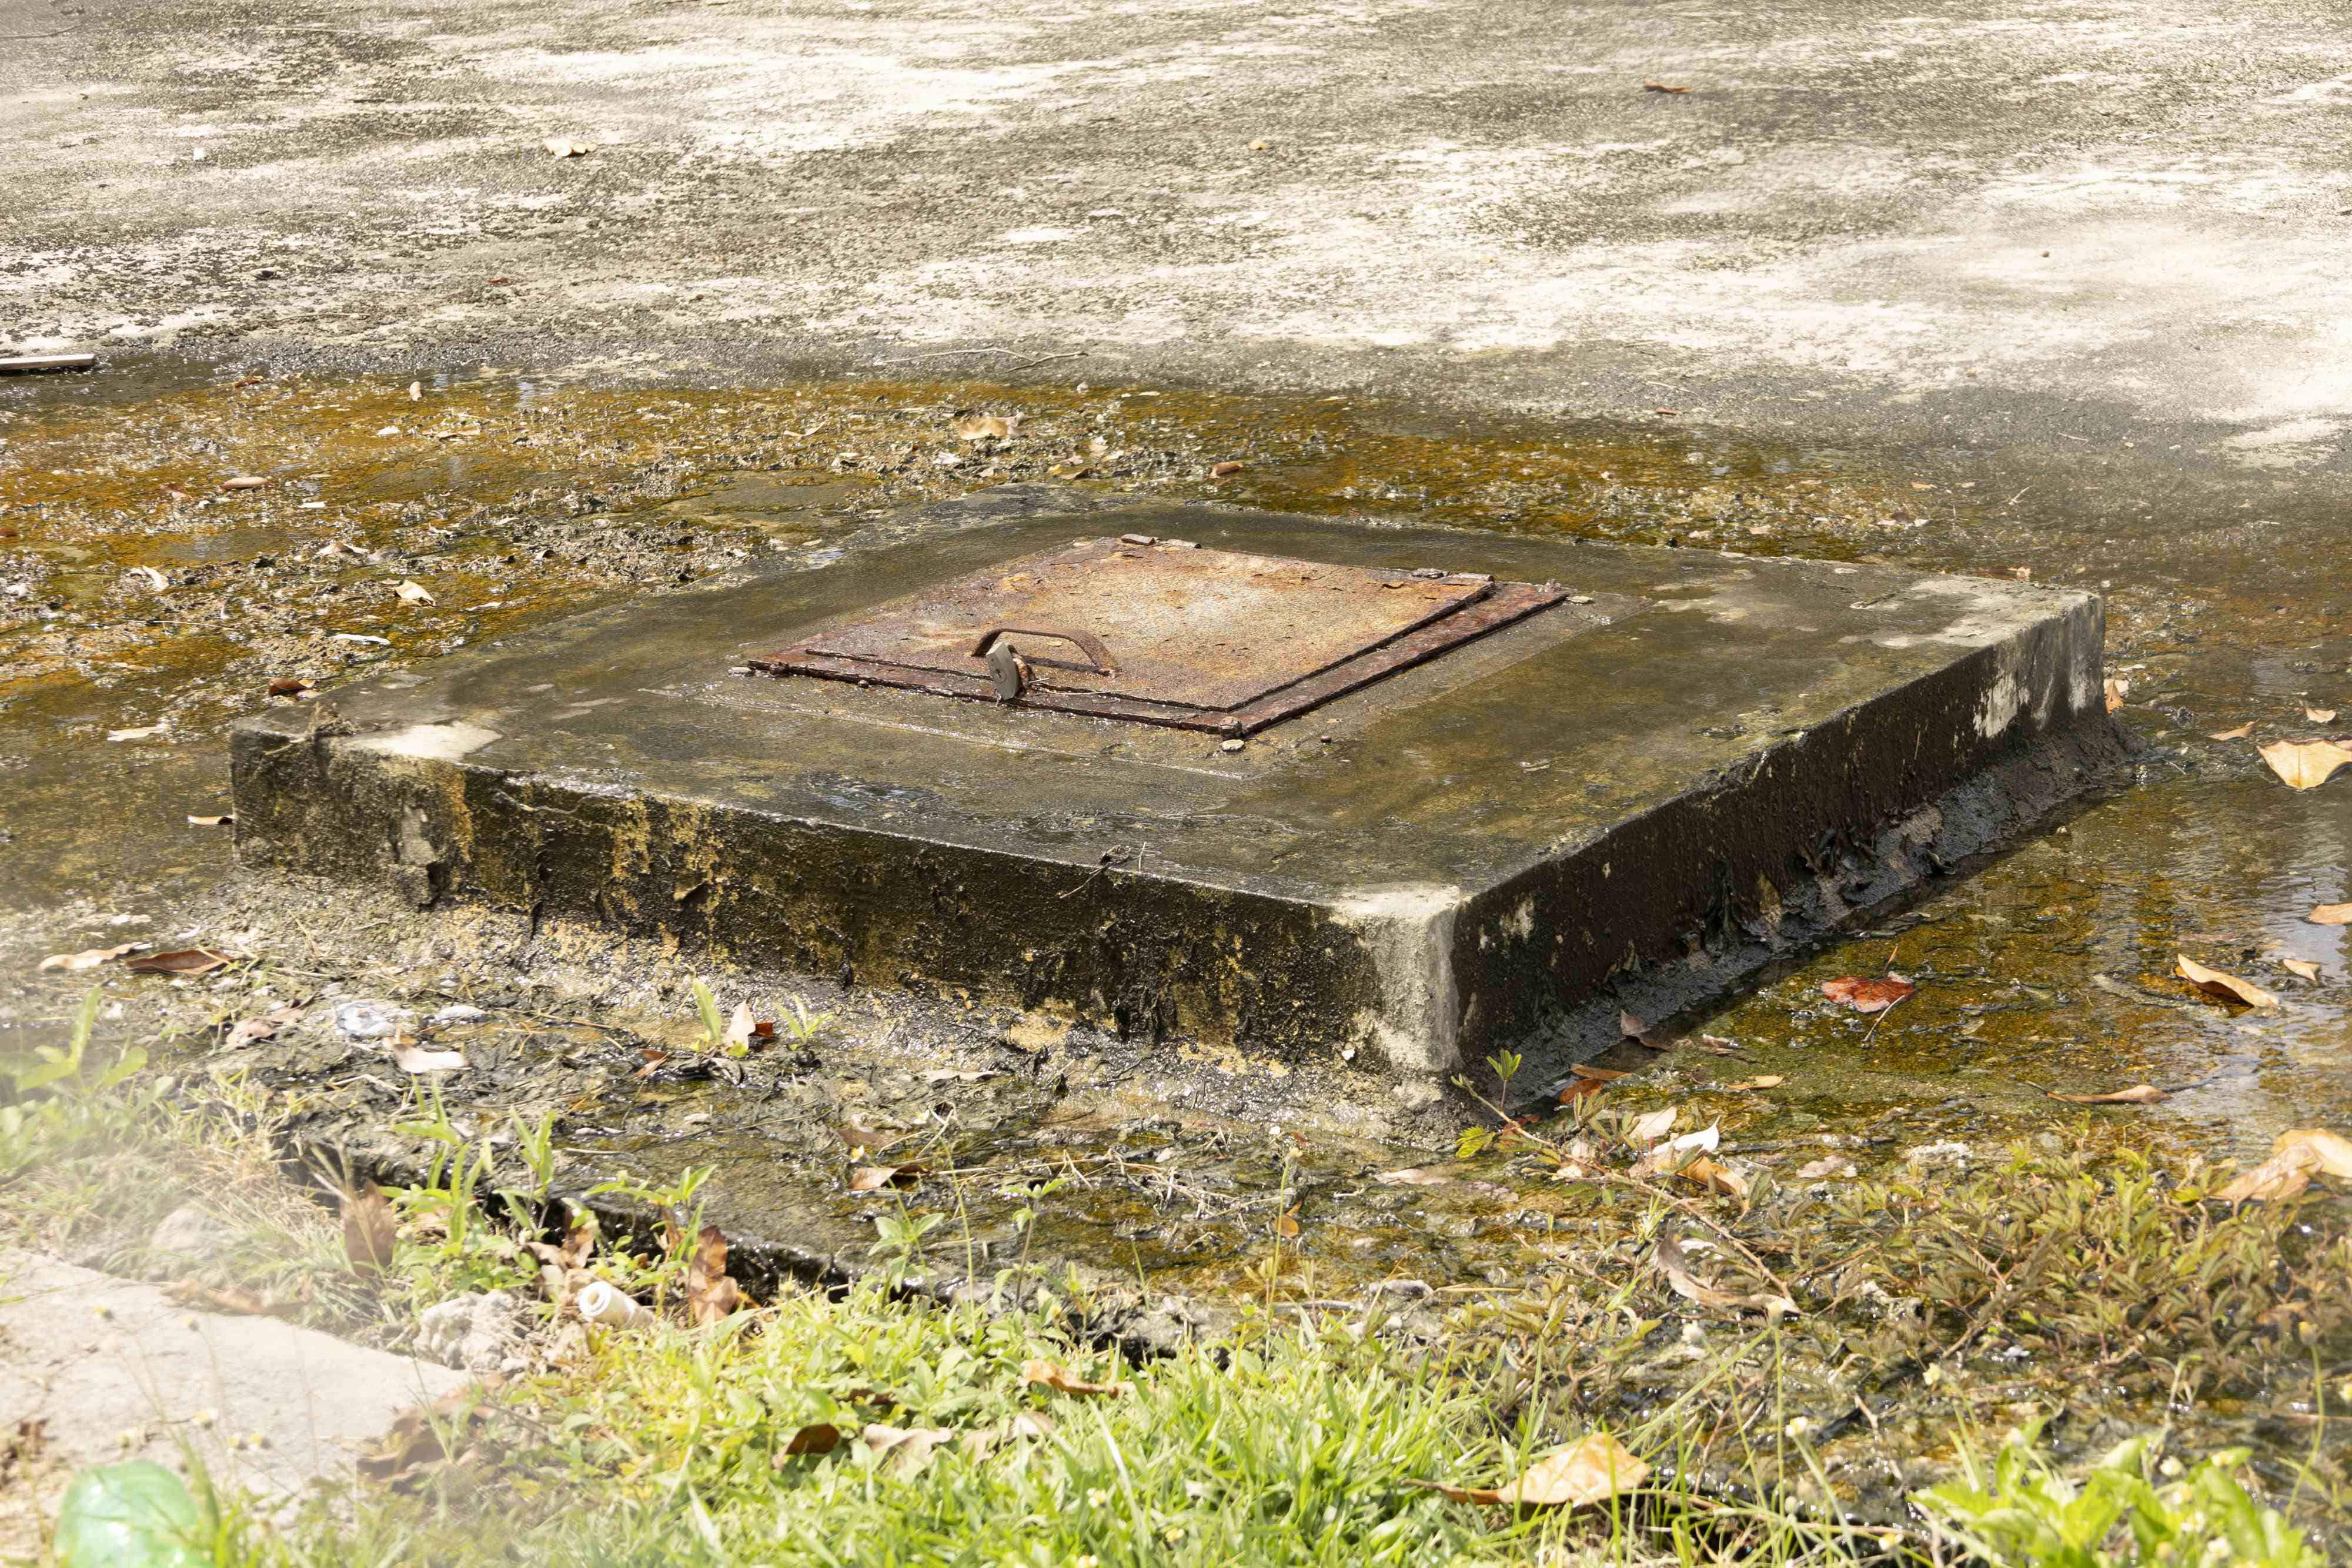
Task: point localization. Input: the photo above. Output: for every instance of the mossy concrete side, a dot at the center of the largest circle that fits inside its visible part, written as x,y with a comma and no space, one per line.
1629,801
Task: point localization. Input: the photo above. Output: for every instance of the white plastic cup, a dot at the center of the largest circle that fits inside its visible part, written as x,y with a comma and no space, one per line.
601,1303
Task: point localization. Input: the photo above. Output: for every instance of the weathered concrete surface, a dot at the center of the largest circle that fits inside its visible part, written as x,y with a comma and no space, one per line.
116,1370
1628,800
1991,224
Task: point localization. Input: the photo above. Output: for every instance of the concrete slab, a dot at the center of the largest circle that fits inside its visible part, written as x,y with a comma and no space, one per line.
116,1370
1631,798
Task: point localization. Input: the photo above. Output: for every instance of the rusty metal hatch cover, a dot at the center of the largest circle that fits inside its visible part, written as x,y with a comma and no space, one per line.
1160,632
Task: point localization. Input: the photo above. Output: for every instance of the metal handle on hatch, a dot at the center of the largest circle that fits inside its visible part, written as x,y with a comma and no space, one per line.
1088,644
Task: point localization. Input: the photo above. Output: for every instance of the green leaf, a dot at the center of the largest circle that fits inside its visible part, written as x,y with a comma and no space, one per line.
708,1006
134,1515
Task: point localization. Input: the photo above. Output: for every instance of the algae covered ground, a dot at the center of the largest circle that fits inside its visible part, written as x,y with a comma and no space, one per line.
1807,1264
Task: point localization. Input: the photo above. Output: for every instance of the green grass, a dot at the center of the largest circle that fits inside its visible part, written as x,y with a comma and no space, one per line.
1308,1435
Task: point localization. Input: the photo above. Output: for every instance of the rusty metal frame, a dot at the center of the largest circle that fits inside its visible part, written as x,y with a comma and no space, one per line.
1496,605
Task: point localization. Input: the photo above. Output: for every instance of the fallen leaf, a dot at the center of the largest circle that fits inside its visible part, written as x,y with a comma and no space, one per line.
864,1139
414,1446
244,1031
2221,987
1826,1167
564,147
411,592
244,482
1720,1045
1028,1426
91,959
2295,1156
1770,1080
290,685
371,1230
1260,145
1224,469
2137,1094
187,961
1676,1266
2241,733
2320,715
1428,1177
819,1438
902,1450
873,1178
1598,1075
1661,87
710,1295
1053,1374
1868,995
416,1059
415,391
986,427
2116,690
148,733
1716,1177
1631,1027
2306,764
1650,1128
1592,1470
2304,966
234,1298
1578,1088
1285,1225
2330,915
153,579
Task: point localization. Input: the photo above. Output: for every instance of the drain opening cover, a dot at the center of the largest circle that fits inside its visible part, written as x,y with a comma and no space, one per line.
1160,632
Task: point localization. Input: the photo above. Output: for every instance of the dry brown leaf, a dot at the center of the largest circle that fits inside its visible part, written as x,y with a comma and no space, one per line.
564,147
710,1295
265,1026
862,1138
411,592
1661,87
1053,1374
2137,1094
1632,1027
416,1059
220,822
1598,1075
187,961
1716,1177
873,1178
2330,915
818,1438
415,1444
1676,1266
2303,966
1225,469
234,1298
290,685
1576,1089
371,1230
986,427
2221,987
2306,764
1868,995
244,482
903,1449
1592,1470
1770,1080
91,959
2117,691
2241,733
2320,715
2296,1155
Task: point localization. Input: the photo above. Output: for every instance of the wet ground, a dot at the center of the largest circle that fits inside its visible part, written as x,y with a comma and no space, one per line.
142,606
